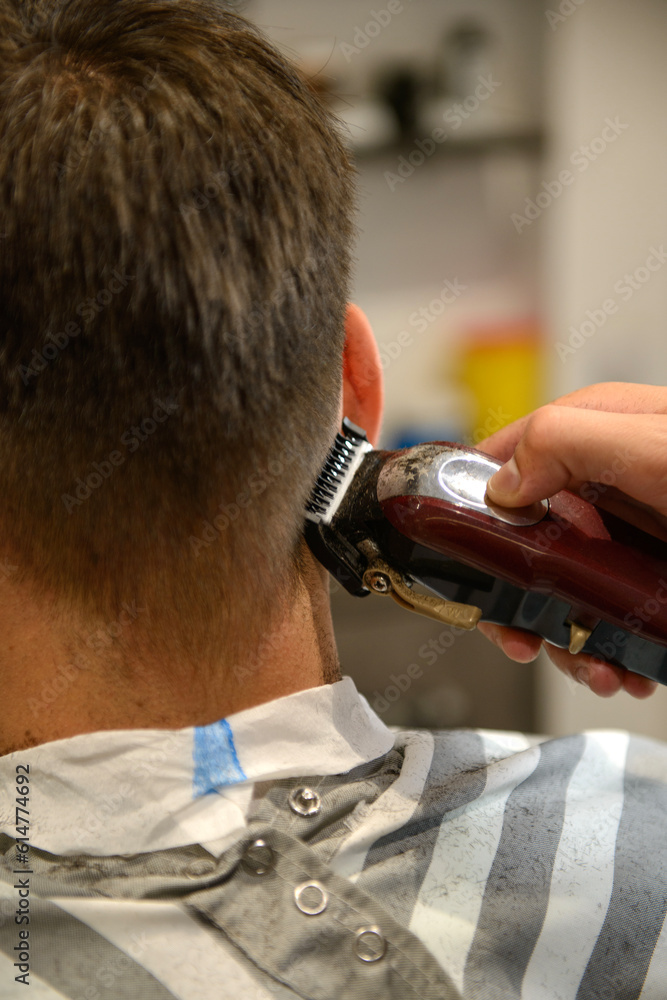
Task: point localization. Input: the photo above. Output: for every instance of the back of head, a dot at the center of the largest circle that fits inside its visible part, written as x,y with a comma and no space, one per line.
175,211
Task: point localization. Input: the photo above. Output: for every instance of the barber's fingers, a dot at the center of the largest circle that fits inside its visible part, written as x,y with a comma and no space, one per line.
613,397
564,446
618,397
602,678
516,644
502,444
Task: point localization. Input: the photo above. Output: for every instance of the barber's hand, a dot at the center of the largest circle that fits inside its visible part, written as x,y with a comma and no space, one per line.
612,434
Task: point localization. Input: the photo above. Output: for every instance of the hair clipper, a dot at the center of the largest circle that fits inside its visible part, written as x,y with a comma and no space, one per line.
567,571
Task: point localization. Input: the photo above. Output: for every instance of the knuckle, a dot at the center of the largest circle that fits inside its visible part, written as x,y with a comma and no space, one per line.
542,426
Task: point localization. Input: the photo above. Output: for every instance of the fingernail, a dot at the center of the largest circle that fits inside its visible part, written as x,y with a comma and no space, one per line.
582,675
507,480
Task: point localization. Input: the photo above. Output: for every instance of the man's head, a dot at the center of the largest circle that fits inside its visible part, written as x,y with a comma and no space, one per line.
175,221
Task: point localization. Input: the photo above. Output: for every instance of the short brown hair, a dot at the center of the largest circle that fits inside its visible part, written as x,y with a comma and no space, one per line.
175,223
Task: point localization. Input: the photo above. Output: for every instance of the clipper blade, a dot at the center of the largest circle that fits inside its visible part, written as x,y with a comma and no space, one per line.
342,462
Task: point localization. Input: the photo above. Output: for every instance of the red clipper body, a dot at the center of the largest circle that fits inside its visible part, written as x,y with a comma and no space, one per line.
605,567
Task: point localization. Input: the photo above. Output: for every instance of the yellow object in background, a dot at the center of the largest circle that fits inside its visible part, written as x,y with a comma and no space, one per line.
501,366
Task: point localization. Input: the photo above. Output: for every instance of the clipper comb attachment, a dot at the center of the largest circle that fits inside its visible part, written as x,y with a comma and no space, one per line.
342,462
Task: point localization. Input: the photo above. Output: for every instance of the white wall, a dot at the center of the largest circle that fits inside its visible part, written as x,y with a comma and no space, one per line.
607,60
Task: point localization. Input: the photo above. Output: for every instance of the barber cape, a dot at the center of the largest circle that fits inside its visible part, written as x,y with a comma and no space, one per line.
303,849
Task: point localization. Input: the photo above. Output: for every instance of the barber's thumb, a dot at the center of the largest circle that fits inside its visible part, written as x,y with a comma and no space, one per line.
504,486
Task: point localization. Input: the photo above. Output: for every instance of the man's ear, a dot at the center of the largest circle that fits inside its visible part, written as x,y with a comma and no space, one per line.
363,383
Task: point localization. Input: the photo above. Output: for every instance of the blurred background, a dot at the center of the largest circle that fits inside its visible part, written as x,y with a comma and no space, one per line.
512,158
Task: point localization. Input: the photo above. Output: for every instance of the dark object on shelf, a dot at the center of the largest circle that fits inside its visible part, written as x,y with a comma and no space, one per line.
401,90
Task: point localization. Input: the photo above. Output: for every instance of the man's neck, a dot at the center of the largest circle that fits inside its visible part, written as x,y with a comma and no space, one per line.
51,695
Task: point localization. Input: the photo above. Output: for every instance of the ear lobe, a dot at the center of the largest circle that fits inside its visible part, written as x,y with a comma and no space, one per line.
363,382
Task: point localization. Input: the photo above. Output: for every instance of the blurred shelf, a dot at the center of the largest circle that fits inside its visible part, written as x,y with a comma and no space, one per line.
372,131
